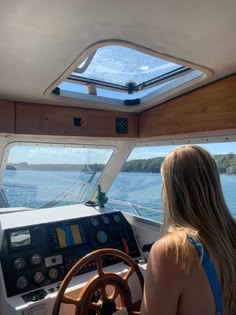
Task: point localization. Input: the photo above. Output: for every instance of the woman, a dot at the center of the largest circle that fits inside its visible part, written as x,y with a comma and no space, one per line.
192,269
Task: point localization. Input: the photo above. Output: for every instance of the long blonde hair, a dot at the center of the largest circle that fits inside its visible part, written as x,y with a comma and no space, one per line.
194,204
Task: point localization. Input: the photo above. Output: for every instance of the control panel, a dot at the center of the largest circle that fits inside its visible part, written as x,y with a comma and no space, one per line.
35,256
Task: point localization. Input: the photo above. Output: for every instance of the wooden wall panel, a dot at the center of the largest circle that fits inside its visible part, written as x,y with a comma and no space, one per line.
7,116
59,120
210,108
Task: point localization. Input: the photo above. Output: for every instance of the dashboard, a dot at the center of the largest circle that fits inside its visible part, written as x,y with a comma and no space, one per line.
35,256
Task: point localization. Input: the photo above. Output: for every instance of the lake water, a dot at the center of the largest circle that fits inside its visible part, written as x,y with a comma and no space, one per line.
39,188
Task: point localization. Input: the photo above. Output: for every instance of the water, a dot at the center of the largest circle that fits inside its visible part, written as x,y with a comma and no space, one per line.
145,189
38,188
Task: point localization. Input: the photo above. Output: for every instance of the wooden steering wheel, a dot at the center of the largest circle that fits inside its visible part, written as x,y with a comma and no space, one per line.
105,304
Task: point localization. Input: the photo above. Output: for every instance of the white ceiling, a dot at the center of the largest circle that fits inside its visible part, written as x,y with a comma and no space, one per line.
39,40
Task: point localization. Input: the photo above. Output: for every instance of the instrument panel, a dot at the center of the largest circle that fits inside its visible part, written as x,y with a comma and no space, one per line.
35,256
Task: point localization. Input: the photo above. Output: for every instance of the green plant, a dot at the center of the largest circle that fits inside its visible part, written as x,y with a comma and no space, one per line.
101,197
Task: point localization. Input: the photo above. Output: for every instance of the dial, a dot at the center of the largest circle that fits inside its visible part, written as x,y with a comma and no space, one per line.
116,218
94,221
36,259
102,237
53,274
19,263
106,219
38,277
21,283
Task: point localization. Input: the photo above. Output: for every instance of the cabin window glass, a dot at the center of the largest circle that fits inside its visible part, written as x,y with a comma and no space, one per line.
126,75
138,187
41,176
120,65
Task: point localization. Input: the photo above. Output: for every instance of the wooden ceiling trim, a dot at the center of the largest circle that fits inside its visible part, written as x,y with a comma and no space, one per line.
208,109
40,119
7,116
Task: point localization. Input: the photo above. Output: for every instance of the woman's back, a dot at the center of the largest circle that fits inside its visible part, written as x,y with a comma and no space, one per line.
173,289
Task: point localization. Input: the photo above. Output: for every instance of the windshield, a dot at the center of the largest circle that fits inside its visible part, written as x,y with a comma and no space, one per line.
138,187
40,176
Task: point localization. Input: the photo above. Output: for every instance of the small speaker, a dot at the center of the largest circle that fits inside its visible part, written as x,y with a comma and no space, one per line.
121,125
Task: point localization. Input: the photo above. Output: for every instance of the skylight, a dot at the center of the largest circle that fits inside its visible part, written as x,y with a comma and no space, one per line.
124,74
121,65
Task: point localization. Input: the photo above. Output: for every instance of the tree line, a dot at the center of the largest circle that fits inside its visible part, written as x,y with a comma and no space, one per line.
226,163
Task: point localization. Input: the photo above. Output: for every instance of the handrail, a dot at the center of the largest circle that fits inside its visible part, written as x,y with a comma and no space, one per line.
134,206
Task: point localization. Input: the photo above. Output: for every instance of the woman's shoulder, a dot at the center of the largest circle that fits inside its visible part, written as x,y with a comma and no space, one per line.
174,250
172,241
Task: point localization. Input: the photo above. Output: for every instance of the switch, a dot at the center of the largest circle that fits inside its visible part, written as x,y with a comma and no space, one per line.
34,298
77,121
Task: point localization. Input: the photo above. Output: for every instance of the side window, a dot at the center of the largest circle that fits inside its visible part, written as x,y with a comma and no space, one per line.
48,176
138,186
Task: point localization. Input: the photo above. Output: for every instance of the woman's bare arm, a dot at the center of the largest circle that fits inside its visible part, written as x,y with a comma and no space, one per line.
164,280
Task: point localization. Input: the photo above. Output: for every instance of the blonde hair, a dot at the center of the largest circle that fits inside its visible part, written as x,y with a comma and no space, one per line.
194,205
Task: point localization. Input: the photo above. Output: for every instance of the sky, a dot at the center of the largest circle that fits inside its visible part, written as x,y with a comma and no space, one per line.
62,155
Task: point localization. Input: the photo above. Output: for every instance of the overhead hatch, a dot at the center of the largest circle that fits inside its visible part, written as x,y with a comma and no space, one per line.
124,75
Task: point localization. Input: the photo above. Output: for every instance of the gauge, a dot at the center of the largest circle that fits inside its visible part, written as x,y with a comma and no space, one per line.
106,219
53,274
116,218
38,277
21,282
94,221
102,237
19,263
36,259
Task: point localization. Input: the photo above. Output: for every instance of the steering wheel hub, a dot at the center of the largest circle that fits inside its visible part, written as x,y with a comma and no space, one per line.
108,307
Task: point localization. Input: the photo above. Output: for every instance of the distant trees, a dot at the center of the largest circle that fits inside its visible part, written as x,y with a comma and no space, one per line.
23,166
147,166
226,163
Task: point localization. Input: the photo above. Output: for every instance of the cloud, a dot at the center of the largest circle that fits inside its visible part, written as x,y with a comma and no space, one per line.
146,155
59,155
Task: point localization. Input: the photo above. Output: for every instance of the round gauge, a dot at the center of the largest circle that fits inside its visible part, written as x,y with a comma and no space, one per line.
53,274
21,283
36,259
19,263
38,277
106,219
116,218
102,237
94,221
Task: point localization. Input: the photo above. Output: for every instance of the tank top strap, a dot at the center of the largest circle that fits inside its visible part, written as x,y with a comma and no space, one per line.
210,272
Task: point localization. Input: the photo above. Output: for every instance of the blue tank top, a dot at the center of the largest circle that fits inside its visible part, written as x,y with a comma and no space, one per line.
210,272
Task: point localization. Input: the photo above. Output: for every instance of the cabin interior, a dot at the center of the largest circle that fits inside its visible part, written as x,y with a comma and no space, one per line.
101,75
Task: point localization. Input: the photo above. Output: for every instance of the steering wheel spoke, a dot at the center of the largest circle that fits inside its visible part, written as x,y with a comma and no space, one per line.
95,306
114,294
98,260
129,273
103,293
69,300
